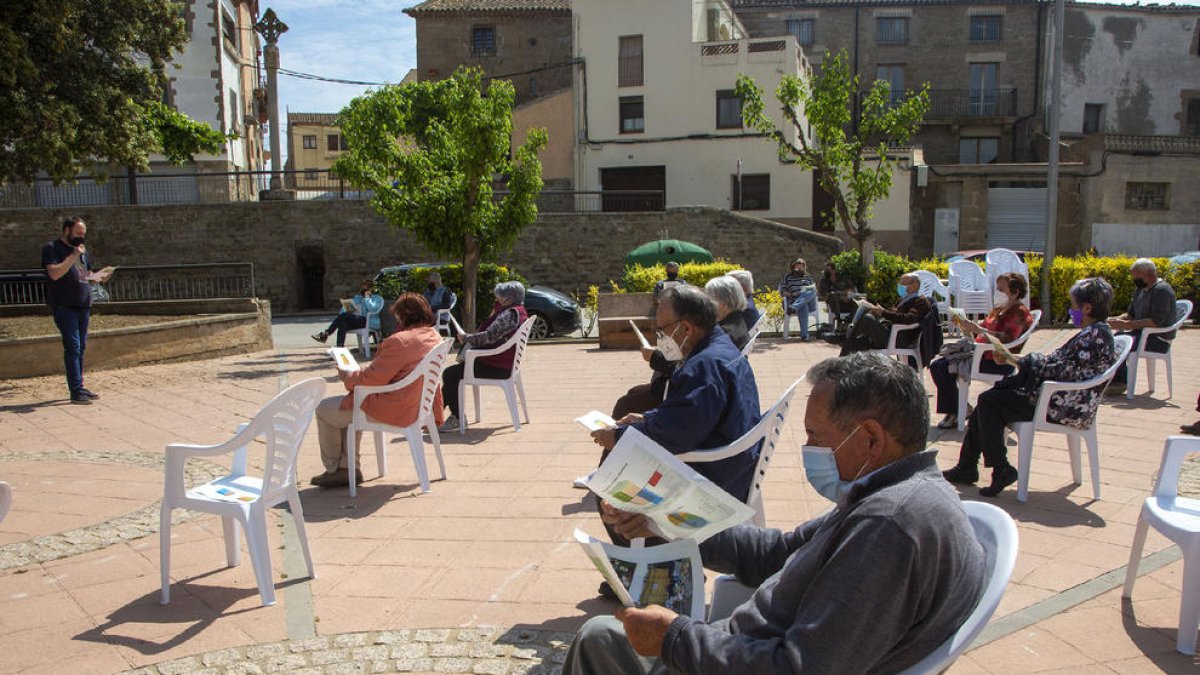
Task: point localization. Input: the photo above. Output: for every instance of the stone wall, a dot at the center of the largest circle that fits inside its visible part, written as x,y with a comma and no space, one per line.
288,242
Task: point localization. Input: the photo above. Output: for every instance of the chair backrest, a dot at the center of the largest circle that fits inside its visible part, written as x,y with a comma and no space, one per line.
1175,450
997,533
521,340
1036,316
754,330
932,286
431,368
966,276
282,423
749,346
5,499
769,428
1122,345
1002,261
1183,309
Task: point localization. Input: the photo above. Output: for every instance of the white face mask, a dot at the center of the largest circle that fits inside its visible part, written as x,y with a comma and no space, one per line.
669,348
821,470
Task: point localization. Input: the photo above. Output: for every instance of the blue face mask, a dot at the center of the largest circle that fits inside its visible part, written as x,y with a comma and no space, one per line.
1076,316
821,470
902,290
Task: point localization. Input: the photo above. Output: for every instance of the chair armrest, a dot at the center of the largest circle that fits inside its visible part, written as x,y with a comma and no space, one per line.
711,455
897,329
361,392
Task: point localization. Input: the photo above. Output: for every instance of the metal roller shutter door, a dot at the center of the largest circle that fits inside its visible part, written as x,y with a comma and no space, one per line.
1017,218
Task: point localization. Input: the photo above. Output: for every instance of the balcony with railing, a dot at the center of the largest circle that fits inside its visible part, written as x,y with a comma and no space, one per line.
1152,145
957,104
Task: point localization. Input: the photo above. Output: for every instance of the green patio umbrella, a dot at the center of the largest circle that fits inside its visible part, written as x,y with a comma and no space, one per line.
667,250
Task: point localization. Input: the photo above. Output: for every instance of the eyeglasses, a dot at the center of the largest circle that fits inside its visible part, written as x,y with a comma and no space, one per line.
663,328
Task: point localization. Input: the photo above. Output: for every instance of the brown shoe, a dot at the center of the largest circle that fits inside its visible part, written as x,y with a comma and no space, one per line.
339,478
1191,429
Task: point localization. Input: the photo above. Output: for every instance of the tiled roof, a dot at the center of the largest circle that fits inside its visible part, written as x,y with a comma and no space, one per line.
742,5
324,119
434,7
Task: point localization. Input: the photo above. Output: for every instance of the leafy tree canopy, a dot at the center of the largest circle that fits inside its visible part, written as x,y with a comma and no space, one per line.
429,151
850,160
80,83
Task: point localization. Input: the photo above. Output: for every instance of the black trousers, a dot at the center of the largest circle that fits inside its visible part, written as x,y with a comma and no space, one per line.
869,332
947,382
995,409
1155,344
454,374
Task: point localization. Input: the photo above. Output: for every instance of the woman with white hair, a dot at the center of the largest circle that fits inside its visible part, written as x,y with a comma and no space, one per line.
746,279
508,313
731,300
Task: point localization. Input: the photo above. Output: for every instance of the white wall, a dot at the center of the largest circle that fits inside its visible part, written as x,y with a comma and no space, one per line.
1143,240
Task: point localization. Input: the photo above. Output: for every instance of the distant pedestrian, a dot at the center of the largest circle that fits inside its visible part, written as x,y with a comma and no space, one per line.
69,266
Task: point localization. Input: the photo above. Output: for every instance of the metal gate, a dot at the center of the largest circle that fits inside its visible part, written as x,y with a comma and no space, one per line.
1017,218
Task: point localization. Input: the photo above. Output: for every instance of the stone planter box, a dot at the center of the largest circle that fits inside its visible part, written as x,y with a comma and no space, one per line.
616,310
189,337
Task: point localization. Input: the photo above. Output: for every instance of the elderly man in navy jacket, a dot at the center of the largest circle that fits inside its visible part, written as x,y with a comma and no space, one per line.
712,399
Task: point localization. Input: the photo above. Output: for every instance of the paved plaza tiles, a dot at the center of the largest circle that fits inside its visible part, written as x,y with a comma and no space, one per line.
481,575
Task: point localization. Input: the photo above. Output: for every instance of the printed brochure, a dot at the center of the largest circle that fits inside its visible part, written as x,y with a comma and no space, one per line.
670,575
344,359
240,489
641,476
596,420
349,306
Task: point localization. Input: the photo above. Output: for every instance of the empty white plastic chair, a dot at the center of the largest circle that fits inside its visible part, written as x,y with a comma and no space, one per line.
240,499
445,320
997,534
1178,519
430,369
1183,309
1026,430
933,288
5,499
768,430
364,334
981,348
969,289
1003,261
512,385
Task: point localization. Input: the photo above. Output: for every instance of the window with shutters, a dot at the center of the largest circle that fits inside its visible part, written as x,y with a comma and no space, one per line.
1147,196
629,61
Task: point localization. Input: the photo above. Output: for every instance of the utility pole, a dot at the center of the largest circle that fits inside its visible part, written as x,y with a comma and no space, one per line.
270,27
1052,160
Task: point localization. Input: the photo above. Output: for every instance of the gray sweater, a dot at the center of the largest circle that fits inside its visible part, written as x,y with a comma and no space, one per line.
873,586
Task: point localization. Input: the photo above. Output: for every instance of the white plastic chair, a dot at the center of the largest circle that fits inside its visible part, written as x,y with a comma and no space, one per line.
364,334
933,288
768,430
969,289
1178,518
815,314
5,499
754,331
1002,261
430,368
1026,430
281,423
445,320
1183,309
981,348
913,352
996,532
512,386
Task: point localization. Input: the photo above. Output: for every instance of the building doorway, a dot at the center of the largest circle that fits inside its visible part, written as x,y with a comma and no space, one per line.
310,261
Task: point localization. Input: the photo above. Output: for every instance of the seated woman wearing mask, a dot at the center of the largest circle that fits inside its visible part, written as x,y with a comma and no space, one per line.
1087,354
367,304
508,313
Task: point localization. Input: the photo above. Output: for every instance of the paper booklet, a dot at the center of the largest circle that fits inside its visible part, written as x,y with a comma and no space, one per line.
1002,354
344,359
640,476
596,420
670,575
240,489
638,332
349,306
864,303
956,313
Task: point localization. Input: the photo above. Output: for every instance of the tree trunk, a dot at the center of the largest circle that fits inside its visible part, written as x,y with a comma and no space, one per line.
470,274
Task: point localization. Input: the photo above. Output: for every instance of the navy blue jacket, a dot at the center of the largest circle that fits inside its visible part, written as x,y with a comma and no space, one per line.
712,402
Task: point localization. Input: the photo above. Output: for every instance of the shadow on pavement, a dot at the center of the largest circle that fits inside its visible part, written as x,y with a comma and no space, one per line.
1151,642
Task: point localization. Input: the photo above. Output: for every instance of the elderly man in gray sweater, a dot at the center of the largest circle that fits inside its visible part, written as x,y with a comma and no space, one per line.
875,585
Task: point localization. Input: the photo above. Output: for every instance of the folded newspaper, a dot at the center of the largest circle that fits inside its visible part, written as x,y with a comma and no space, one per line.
641,476
670,575
1002,354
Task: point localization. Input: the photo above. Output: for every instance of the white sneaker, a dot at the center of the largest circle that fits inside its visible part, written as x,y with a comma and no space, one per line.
451,424
580,483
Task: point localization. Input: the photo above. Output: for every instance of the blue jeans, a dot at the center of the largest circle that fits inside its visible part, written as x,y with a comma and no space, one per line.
801,305
72,322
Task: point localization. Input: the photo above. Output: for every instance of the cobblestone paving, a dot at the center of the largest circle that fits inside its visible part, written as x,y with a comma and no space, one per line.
136,525
479,651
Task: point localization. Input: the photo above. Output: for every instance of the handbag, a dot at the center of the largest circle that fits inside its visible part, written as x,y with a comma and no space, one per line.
100,294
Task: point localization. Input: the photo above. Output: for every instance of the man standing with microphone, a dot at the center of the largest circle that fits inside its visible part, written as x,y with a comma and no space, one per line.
69,295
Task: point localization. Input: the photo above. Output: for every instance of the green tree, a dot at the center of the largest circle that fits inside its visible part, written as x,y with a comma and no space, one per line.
850,160
429,152
80,83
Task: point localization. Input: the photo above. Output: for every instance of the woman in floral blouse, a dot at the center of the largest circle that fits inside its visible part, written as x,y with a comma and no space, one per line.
1089,353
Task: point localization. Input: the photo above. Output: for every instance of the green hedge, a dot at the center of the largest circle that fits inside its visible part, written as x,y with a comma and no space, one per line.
490,274
880,283
640,279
